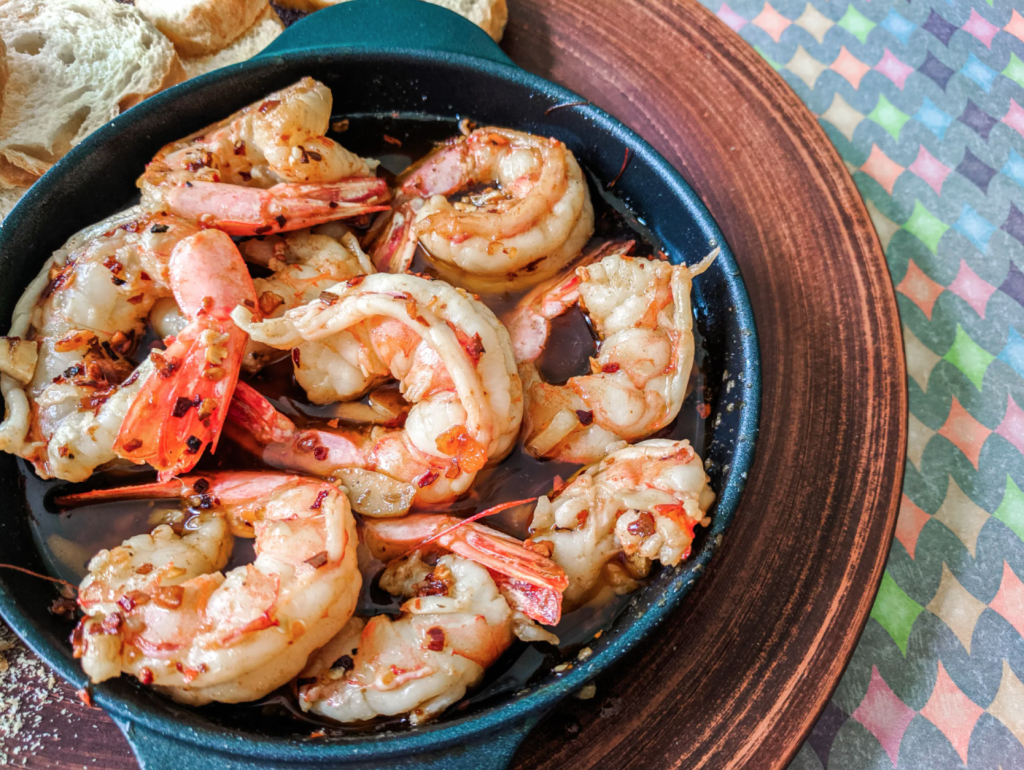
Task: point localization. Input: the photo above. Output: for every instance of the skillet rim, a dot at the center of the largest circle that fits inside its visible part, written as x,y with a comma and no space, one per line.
503,717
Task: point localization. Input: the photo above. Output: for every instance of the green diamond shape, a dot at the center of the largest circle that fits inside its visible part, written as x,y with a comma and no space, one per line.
1015,70
1011,510
775,65
895,611
926,226
969,357
856,23
888,116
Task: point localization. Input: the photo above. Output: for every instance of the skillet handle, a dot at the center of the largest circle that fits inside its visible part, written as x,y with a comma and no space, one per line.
388,25
159,751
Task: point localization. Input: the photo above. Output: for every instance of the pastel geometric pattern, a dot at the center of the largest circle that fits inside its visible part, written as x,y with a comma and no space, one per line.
919,289
814,22
893,68
772,22
973,290
930,169
882,168
888,116
856,23
884,715
952,712
849,67
841,115
957,608
926,108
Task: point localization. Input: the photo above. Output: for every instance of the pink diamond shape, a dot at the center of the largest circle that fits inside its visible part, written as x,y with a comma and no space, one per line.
952,712
967,434
772,22
1012,426
1009,599
909,524
930,169
882,168
893,68
1014,116
919,288
884,715
731,18
981,28
850,67
972,289
1016,25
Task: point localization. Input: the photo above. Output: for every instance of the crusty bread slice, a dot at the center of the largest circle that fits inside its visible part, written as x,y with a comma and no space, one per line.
202,27
489,15
261,34
74,65
9,196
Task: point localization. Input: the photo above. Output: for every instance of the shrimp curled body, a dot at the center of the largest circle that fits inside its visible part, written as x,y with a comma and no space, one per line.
157,607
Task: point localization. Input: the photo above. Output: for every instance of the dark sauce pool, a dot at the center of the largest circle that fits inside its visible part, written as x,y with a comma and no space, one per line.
67,540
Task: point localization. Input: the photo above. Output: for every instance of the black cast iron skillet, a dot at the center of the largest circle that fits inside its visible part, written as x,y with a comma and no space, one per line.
383,56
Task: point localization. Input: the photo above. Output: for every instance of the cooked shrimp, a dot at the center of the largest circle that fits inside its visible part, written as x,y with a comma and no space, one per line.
462,613
303,263
157,607
82,318
184,399
453,361
530,227
265,169
640,310
642,501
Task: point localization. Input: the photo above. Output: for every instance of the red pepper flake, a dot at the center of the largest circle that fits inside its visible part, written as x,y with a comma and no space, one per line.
181,407
133,599
435,638
317,561
427,479
581,518
281,221
610,368
643,526
474,346
131,445
136,299
318,734
263,230
146,676
144,569
268,105
392,140
320,497
328,297
584,416
703,409
296,357
355,280
320,453
169,597
85,696
240,147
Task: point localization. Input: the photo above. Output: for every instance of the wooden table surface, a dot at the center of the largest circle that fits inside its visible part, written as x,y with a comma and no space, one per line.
738,677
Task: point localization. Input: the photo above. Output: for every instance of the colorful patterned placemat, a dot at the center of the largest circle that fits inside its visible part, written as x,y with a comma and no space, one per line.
925,103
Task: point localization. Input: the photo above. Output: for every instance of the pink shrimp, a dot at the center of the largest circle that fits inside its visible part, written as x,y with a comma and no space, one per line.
182,404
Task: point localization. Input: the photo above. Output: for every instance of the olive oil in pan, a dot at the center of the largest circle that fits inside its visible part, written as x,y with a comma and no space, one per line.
67,541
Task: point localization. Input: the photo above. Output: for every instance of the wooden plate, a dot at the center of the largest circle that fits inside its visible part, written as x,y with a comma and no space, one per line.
739,676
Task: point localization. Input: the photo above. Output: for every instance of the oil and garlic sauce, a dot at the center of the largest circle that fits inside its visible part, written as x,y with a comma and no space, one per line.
67,540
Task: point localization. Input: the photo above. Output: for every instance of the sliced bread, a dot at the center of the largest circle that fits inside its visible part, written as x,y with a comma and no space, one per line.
9,196
261,34
202,27
489,15
73,65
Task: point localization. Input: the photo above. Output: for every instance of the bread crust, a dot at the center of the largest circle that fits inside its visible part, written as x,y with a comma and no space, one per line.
265,29
4,74
202,26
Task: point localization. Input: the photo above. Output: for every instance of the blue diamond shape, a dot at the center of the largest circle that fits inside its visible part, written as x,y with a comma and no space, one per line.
974,227
936,70
1013,353
975,69
1014,225
898,26
939,27
1013,286
975,169
932,118
977,119
1014,167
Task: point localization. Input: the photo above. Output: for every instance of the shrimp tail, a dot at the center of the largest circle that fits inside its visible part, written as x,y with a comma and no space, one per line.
259,428
192,402
238,210
393,250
